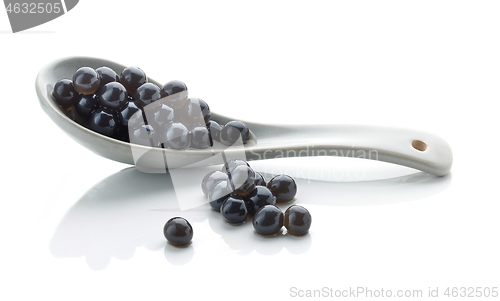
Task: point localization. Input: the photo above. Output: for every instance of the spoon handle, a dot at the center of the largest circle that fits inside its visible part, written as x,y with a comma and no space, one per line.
420,150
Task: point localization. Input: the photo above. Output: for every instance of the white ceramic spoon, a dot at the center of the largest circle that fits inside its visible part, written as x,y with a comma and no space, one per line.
420,150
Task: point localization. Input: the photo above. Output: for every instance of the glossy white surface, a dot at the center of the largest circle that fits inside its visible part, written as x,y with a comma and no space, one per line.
76,226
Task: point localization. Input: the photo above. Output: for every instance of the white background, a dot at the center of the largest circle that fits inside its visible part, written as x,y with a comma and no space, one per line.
75,226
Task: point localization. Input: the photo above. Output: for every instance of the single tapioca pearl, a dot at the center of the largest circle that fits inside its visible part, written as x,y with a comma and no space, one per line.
243,179
232,164
283,188
86,80
211,179
175,136
161,115
112,96
259,179
259,197
268,221
107,75
297,220
142,135
64,93
146,94
234,211
200,137
103,122
215,129
178,231
197,110
174,93
192,112
219,193
132,78
86,105
233,131
126,113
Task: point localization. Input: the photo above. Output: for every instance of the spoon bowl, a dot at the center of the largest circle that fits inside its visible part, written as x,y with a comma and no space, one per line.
420,150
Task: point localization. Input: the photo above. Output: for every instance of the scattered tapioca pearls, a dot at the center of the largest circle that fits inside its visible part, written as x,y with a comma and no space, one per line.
237,191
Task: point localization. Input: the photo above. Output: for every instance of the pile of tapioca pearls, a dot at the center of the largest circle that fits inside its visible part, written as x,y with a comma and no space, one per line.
236,192
129,108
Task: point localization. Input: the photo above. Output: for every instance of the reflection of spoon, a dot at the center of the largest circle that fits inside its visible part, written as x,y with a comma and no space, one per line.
127,210
420,150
